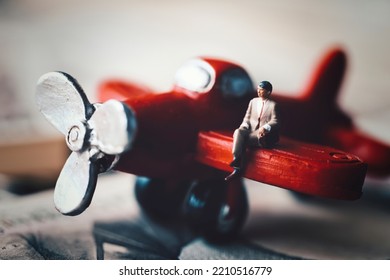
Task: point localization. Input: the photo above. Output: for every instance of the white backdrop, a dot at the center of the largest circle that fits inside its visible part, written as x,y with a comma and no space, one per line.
277,40
147,41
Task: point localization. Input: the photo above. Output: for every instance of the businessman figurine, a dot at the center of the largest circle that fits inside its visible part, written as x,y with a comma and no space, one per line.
260,127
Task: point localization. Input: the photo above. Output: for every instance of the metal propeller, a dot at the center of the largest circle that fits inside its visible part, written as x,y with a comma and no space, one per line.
96,133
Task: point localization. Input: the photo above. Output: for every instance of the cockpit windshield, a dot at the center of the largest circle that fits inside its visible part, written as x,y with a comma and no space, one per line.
196,76
235,83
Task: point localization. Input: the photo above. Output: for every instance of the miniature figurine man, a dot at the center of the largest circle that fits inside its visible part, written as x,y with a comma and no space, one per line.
259,128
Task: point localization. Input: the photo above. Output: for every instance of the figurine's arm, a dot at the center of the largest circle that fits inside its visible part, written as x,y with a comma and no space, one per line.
273,123
275,118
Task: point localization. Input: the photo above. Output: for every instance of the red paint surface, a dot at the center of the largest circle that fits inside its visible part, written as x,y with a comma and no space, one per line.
170,142
315,116
306,168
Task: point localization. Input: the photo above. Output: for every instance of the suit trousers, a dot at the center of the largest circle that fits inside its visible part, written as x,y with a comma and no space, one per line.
243,137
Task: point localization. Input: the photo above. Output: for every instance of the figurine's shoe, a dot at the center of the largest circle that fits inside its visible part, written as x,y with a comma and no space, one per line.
235,174
236,163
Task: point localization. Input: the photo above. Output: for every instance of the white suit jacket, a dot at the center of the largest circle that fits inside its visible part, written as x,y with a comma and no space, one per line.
269,118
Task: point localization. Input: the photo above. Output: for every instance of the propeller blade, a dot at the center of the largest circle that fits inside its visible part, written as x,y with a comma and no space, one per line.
114,127
62,101
94,132
76,184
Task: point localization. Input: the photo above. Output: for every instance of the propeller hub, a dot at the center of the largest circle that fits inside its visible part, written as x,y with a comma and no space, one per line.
76,137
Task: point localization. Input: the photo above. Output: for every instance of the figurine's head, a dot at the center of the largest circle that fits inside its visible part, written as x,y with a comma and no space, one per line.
264,89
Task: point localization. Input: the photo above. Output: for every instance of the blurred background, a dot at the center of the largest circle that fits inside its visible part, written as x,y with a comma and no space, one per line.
146,41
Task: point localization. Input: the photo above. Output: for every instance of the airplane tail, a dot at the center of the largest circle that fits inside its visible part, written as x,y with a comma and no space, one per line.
316,106
326,80
326,123
325,84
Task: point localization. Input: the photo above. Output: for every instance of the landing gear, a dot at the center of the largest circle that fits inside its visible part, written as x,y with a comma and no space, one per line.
213,208
161,199
216,209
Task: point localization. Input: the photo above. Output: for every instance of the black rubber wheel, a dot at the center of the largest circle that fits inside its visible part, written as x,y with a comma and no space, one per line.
161,199
216,209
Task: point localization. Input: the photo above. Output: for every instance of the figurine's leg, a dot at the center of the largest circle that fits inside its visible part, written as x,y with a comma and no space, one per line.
161,199
253,139
216,209
240,139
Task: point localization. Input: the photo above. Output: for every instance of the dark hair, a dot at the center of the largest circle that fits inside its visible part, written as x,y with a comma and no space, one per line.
266,85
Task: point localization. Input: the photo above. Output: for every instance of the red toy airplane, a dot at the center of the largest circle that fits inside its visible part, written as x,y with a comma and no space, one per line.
179,142
314,116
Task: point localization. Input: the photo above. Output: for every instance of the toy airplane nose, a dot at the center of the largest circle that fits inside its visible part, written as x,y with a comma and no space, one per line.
96,133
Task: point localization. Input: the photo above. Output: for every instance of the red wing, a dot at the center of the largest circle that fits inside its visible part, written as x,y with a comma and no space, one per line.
121,90
298,166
